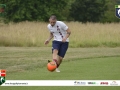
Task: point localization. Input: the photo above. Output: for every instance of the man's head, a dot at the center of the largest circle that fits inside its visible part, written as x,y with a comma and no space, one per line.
52,20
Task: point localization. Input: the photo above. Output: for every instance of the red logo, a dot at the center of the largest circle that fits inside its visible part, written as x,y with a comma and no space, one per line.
104,83
2,73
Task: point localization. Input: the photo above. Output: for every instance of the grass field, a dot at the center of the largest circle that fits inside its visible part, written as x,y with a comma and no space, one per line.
83,35
24,56
29,63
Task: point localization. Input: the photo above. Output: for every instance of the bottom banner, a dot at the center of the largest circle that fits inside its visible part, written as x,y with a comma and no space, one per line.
61,83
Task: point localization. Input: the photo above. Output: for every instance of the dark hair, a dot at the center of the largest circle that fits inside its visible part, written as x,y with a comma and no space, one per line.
53,17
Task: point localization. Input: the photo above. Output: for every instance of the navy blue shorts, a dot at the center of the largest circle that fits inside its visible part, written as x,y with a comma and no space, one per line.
61,47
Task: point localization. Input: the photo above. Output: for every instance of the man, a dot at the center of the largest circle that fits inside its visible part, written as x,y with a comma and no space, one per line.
60,32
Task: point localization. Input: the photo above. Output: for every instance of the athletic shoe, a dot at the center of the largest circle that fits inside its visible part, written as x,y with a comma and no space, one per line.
57,70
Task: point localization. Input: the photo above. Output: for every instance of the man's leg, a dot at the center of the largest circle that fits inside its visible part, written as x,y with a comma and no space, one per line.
55,48
55,56
59,60
62,52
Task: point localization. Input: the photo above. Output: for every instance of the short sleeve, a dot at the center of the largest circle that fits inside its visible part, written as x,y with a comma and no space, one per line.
48,28
64,26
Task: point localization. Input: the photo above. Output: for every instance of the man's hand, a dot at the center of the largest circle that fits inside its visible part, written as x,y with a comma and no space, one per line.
46,42
67,35
50,37
64,40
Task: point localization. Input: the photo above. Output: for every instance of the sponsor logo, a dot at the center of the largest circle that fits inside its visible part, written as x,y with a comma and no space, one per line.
79,83
114,83
91,82
103,83
2,76
117,11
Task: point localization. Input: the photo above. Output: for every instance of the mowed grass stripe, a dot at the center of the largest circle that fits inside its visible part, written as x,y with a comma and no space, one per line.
79,64
62,88
86,69
21,59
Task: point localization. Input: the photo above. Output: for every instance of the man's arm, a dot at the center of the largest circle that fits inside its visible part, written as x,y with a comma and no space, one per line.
50,37
67,35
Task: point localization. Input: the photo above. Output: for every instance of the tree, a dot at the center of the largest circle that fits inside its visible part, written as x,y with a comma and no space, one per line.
88,10
110,13
33,10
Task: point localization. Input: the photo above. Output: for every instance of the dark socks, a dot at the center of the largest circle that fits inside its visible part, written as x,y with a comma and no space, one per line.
56,62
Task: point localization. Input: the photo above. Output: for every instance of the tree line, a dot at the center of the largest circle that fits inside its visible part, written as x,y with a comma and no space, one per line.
66,10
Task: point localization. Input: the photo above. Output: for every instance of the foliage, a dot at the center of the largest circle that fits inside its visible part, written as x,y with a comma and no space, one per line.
110,13
33,10
66,10
88,10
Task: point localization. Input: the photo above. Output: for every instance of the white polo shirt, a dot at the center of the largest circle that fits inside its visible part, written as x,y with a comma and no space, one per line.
58,30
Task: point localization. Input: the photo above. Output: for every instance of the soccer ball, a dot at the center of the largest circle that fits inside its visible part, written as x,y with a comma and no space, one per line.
51,66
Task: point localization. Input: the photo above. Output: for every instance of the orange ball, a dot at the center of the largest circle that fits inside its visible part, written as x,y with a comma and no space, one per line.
51,66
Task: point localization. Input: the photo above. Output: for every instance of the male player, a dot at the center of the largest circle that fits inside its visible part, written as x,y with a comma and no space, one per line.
60,31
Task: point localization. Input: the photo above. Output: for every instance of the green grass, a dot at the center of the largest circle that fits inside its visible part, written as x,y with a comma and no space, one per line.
29,63
85,69
34,34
